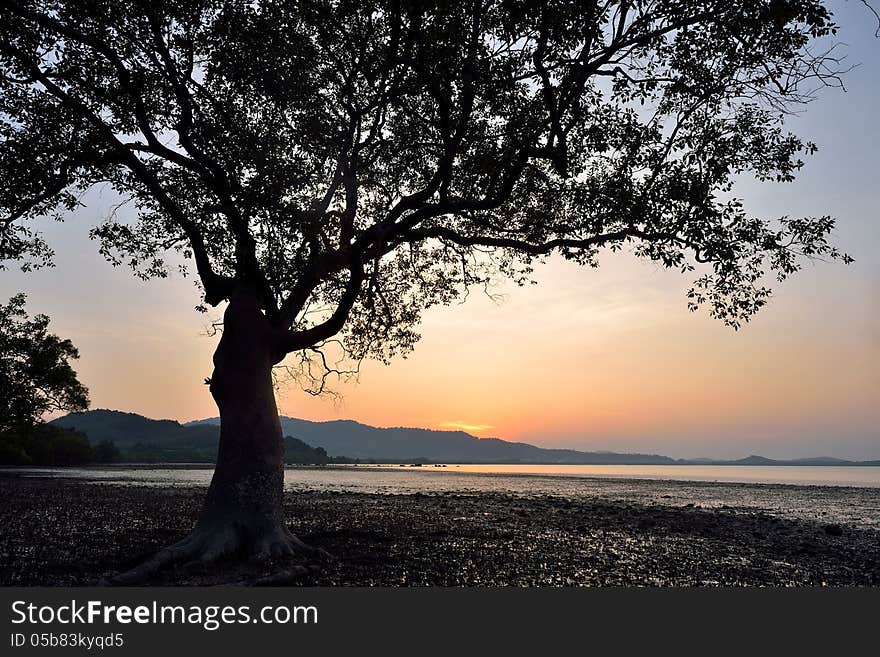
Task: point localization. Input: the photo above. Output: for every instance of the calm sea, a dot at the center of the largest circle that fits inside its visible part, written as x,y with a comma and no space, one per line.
749,474
429,477
825,494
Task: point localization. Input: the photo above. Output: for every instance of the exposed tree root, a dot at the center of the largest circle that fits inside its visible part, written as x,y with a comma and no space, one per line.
209,545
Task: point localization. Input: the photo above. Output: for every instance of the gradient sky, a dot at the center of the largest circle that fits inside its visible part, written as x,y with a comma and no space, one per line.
590,359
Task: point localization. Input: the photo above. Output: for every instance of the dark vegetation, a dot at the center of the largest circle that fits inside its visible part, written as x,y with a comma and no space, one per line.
295,452
51,445
36,378
142,440
47,445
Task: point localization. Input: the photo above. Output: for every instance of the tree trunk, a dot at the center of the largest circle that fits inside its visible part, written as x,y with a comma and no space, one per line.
244,500
242,514
243,509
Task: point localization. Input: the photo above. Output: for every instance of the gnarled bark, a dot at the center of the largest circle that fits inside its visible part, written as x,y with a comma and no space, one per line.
242,513
245,493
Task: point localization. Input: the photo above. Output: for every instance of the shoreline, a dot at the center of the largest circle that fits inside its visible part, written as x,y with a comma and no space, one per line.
63,532
452,468
848,504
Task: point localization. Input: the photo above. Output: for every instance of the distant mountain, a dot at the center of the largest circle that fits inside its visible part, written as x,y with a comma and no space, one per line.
136,435
128,429
817,460
141,439
356,440
133,433
350,438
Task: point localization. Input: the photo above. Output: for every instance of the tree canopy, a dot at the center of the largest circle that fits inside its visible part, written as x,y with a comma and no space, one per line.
351,163
35,372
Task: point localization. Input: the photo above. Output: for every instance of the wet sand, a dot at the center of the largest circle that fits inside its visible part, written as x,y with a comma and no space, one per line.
64,532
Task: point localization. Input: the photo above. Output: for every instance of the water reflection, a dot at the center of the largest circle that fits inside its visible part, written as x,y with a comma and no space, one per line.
841,494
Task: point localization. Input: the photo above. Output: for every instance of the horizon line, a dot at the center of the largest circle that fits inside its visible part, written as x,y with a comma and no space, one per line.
570,449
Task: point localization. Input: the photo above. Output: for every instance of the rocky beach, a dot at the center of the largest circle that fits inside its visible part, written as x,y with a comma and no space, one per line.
66,532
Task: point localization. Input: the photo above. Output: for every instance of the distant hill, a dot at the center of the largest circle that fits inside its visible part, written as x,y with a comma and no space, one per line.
128,429
146,439
356,440
763,460
141,439
134,433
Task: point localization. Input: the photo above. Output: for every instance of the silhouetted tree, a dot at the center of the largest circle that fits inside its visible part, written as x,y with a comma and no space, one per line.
334,168
106,451
51,445
35,373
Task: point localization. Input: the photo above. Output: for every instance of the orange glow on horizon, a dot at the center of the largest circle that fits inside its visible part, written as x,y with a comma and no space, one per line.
605,359
464,426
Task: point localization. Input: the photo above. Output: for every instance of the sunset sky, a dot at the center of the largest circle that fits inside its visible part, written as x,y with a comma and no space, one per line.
592,359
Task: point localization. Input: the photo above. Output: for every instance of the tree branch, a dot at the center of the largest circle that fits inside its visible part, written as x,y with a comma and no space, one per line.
295,340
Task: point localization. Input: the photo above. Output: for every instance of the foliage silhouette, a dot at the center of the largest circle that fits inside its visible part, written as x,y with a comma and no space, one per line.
35,373
332,169
36,378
